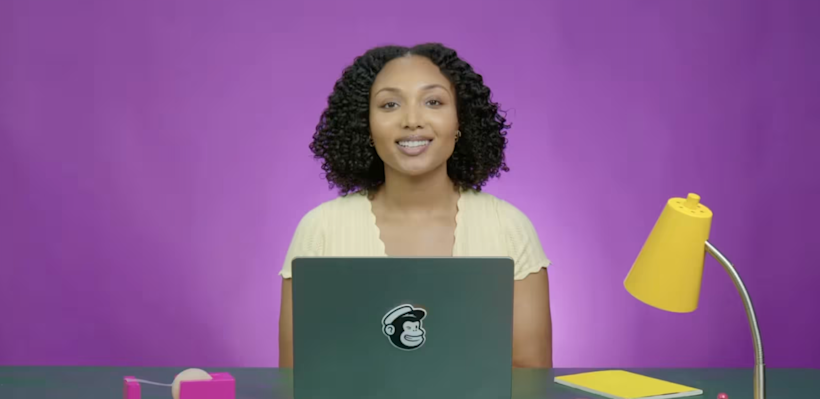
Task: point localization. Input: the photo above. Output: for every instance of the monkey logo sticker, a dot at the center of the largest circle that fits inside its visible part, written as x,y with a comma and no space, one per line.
403,327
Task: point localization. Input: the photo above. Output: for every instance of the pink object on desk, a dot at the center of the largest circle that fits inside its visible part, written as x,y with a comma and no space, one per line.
222,386
130,388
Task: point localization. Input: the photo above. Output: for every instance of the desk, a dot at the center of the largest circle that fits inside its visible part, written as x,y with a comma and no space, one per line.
270,383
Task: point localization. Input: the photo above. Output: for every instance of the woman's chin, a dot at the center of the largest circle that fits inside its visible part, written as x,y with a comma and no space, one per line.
417,169
418,166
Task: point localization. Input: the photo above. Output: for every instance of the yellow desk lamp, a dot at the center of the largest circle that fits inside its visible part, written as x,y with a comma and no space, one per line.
668,271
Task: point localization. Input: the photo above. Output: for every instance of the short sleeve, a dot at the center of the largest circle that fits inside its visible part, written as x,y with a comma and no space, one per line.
308,240
521,240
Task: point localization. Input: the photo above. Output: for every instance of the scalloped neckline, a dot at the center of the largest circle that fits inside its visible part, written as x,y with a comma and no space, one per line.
378,234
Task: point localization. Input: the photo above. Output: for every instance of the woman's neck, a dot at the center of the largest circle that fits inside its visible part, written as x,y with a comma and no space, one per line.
427,193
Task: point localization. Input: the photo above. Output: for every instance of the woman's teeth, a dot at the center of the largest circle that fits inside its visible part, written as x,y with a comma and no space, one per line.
412,144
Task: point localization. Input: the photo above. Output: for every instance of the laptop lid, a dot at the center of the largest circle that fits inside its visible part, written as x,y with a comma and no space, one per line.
402,328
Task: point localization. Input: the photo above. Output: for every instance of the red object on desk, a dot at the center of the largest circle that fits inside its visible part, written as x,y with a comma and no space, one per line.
222,386
723,396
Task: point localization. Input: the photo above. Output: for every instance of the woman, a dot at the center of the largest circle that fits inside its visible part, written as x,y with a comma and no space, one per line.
409,138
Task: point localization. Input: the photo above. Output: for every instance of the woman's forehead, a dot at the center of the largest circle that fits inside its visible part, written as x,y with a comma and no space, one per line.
410,73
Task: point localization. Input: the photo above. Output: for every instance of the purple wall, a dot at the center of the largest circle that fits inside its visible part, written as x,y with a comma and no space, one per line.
159,149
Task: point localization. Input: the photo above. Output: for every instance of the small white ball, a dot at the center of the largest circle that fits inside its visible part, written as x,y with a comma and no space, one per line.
188,375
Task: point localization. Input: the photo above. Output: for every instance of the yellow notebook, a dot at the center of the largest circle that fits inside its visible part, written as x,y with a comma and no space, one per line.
619,384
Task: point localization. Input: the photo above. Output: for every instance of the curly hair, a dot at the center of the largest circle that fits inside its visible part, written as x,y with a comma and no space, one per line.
342,137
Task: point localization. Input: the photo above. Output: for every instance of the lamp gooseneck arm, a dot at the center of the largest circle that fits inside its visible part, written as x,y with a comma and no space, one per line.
759,369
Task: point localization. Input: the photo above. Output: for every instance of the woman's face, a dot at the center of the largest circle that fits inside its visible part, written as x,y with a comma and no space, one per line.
413,119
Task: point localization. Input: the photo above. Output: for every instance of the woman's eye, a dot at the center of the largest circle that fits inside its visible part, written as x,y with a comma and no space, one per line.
389,105
434,102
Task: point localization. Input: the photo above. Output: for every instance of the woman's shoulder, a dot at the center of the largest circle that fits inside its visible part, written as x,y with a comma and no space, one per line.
342,206
503,222
485,203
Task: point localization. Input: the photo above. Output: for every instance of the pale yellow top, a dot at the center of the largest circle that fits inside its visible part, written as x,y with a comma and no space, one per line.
485,226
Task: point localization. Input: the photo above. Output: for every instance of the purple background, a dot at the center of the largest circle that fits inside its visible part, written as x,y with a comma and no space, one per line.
159,149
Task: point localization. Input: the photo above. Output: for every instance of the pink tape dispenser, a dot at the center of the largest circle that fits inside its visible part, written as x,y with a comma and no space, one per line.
189,384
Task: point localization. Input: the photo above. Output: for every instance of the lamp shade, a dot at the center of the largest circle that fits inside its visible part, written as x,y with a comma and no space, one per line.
668,271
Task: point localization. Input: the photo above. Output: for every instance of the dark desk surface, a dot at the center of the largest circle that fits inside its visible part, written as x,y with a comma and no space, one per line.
259,383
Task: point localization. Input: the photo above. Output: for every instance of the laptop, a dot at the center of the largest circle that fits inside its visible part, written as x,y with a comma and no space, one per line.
402,328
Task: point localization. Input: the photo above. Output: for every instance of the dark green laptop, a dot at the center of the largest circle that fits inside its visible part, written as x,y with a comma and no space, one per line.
402,328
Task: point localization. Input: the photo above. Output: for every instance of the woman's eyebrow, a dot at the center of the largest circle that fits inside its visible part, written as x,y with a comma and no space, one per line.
424,88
